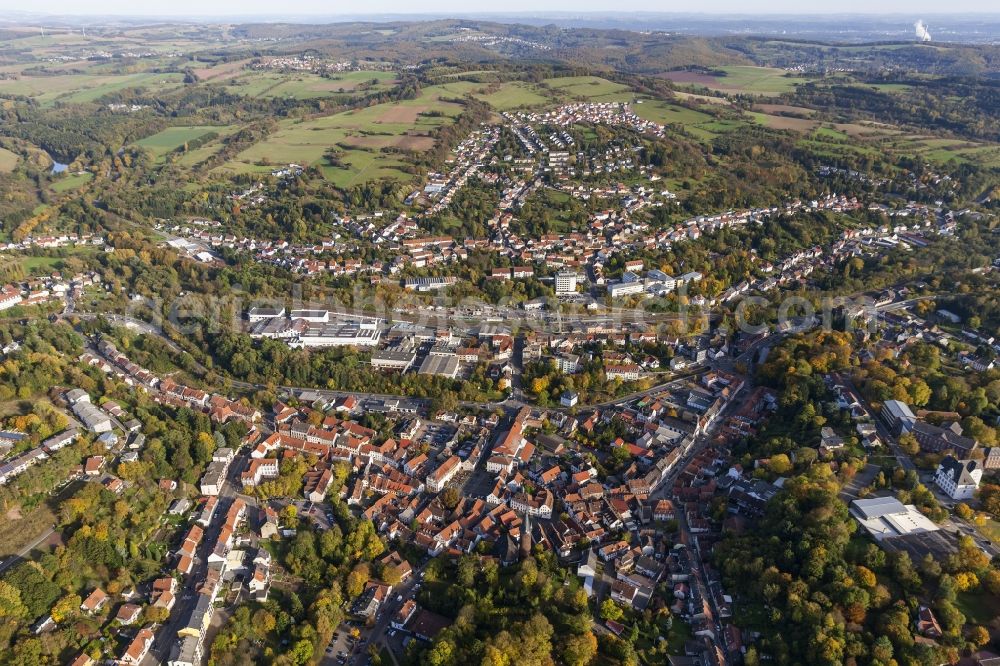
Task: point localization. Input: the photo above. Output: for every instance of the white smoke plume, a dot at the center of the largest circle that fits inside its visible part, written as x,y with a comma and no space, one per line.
923,35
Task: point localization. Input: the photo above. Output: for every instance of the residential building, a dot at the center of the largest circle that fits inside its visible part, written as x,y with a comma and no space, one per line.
138,648
260,469
439,478
958,479
566,282
569,398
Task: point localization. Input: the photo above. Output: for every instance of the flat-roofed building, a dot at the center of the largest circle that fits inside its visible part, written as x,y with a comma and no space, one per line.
566,282
440,364
335,334
887,517
429,283
264,313
311,316
393,358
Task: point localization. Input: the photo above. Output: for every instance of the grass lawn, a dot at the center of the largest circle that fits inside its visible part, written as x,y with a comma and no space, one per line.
8,160
741,78
680,633
990,530
979,607
71,182
43,264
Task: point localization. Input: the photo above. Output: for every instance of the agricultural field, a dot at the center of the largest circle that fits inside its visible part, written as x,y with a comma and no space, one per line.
8,160
514,95
943,150
783,122
172,138
306,85
507,96
765,81
77,88
669,114
591,88
357,136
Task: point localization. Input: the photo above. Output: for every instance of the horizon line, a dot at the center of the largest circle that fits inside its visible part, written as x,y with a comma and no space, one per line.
20,14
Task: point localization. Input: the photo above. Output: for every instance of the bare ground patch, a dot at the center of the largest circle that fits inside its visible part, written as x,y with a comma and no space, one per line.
21,531
691,77
402,114
789,123
415,142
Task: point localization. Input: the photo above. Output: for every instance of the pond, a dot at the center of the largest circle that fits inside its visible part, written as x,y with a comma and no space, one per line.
57,166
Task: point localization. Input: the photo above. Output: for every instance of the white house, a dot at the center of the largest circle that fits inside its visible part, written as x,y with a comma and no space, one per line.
958,479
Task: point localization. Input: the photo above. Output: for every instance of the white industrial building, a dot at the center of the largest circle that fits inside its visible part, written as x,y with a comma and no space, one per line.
886,517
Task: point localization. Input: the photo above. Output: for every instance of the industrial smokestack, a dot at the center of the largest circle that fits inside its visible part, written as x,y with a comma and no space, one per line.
923,35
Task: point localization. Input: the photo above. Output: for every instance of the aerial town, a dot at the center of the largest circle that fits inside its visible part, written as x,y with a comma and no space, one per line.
608,341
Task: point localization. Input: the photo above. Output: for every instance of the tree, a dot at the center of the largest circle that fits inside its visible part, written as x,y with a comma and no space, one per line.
66,607
579,649
909,444
155,614
979,635
610,610
866,578
964,511
992,581
356,580
989,497
780,464
450,497
10,601
882,650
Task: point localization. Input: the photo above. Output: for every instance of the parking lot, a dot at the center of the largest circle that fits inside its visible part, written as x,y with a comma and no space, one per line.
341,647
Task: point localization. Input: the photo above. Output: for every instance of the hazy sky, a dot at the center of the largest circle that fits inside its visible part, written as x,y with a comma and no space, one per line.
302,7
